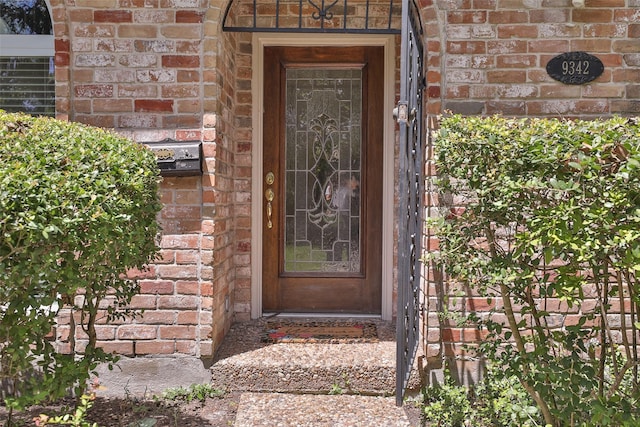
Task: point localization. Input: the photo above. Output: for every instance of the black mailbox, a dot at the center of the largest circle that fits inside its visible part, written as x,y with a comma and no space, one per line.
177,158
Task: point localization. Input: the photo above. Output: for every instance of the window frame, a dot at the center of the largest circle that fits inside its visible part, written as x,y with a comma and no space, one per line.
26,45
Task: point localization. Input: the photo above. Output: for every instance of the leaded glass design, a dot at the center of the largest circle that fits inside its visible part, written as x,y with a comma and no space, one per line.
322,170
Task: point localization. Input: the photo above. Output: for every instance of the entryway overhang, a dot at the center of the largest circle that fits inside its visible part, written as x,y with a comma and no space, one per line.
314,16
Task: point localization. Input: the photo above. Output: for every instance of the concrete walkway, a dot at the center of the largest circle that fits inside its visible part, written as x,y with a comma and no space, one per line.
312,384
309,410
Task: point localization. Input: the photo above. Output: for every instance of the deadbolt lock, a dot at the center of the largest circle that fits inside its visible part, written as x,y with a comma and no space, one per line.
270,178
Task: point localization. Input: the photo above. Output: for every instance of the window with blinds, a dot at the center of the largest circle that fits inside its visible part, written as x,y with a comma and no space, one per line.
27,82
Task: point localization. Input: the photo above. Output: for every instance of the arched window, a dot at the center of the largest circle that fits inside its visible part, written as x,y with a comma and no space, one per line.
27,80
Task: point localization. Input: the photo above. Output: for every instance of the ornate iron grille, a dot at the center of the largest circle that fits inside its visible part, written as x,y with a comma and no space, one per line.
411,194
309,16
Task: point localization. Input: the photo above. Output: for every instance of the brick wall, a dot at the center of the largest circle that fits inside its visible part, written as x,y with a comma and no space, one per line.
151,69
489,57
155,69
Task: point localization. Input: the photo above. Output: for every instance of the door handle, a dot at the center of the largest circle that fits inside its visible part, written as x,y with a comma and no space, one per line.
269,195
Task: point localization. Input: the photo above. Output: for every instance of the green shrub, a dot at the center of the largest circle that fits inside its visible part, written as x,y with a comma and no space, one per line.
78,208
495,401
547,211
199,392
448,405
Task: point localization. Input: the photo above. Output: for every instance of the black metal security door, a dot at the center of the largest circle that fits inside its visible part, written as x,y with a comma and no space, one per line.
409,114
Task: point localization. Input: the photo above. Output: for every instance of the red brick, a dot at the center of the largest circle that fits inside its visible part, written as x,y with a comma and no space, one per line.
162,287
138,121
206,349
467,17
186,347
154,15
188,135
181,332
177,271
187,287
592,15
148,273
179,302
508,16
80,15
452,335
112,16
113,106
181,212
188,241
158,317
466,47
608,31
155,347
167,256
140,302
507,108
153,105
187,318
137,332
188,47
517,31
62,45
92,30
123,348
188,76
605,3
546,15
180,91
146,31
516,61
180,61
553,46
506,76
506,46
187,257
189,16
94,91
103,333
186,120
62,59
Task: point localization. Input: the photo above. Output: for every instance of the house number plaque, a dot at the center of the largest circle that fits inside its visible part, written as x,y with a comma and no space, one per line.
575,68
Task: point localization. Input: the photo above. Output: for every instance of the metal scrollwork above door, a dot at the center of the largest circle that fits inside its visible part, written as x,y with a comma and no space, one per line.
326,16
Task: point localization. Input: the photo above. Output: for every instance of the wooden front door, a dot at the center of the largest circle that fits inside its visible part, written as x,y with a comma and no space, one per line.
322,183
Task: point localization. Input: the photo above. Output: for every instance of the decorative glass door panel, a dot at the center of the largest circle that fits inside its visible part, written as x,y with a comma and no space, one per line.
322,214
322,170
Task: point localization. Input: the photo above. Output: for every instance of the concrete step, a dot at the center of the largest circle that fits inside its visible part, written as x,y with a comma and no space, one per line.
245,363
307,368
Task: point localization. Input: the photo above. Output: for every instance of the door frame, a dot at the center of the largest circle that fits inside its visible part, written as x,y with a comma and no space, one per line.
260,40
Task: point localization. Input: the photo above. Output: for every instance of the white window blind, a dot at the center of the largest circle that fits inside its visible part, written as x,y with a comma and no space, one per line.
27,82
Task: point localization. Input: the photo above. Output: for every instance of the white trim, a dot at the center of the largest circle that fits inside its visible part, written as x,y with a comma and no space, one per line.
260,40
26,45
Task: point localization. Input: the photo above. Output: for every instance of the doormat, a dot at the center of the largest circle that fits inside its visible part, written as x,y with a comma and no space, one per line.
337,332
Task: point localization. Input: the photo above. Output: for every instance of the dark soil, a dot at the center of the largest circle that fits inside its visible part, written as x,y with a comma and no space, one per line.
131,412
